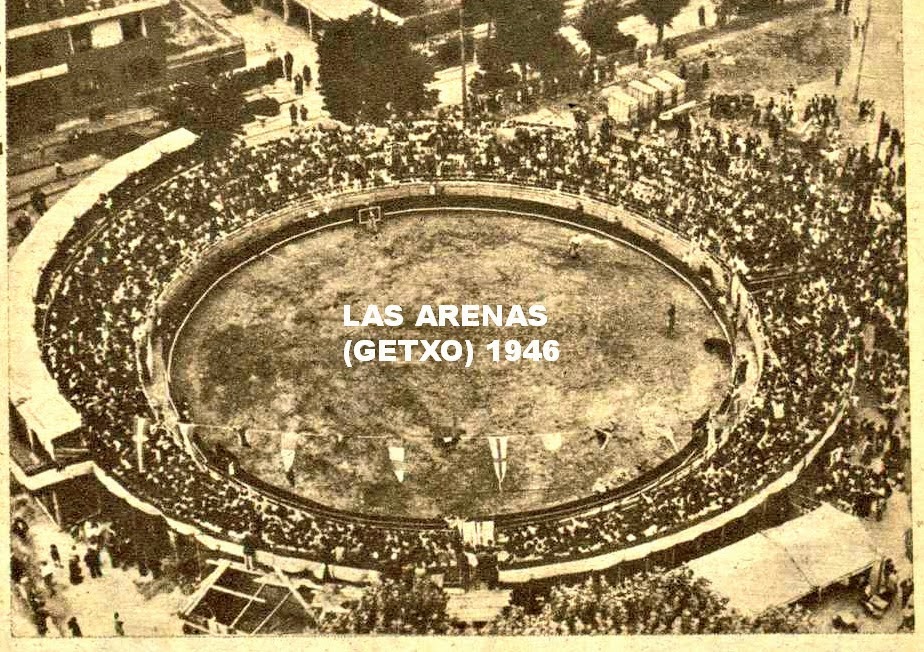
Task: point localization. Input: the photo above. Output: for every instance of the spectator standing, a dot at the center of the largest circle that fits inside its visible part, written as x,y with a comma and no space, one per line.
288,62
38,201
23,224
249,543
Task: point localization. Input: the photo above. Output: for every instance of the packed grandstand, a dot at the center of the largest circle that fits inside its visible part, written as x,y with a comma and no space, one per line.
837,224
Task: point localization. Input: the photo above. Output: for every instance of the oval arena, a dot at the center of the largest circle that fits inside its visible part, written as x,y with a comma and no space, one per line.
110,283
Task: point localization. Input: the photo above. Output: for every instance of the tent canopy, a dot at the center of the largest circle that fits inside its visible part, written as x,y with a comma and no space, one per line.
783,564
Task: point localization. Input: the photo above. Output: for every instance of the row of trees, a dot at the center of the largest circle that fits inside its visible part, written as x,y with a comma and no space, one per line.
648,603
369,69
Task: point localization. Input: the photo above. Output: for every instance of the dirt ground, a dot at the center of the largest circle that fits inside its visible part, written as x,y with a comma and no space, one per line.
266,349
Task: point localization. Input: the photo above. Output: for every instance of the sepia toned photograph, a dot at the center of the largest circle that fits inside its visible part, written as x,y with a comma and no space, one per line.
457,318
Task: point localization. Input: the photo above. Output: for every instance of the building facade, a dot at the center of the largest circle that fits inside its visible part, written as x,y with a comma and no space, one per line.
72,58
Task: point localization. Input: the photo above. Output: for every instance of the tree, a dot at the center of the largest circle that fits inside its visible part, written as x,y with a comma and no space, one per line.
368,71
207,105
661,13
526,31
597,24
482,11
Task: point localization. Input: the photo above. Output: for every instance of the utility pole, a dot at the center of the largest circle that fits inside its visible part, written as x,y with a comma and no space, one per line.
462,55
869,13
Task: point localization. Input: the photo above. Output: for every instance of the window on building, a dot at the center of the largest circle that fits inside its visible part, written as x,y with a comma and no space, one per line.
81,38
132,27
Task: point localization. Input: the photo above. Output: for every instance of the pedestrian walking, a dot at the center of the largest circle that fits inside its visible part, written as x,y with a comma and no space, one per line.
838,74
671,320
288,61
306,75
40,617
48,575
55,556
303,113
74,626
75,574
93,562
293,114
701,12
299,85
118,624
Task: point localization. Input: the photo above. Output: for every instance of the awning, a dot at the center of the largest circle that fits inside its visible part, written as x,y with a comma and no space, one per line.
783,564
343,9
86,17
33,391
37,75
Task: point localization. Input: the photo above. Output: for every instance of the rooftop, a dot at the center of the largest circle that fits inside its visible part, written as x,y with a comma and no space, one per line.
20,13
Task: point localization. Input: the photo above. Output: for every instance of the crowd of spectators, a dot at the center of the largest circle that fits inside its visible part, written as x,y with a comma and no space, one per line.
756,205
644,603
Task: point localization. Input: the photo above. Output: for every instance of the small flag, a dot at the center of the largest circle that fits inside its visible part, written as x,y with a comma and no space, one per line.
712,443
396,455
551,441
287,445
140,437
499,453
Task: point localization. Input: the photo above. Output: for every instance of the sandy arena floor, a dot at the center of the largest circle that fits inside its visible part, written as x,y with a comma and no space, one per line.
266,349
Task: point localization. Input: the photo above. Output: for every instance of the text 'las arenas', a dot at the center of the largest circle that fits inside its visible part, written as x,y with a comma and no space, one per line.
447,350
